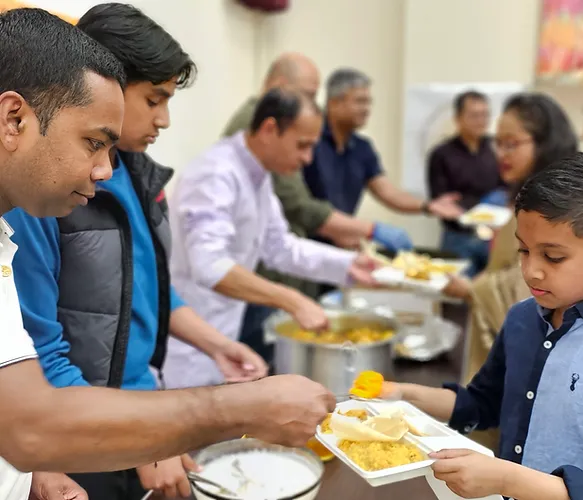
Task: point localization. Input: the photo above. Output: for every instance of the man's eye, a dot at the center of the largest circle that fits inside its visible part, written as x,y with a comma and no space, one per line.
95,145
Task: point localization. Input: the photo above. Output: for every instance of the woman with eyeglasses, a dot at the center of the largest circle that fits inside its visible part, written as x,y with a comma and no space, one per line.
533,132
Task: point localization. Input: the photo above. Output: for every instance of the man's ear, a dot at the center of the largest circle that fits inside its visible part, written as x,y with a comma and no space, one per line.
15,115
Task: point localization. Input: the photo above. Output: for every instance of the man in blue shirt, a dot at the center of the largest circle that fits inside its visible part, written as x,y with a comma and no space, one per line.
94,286
345,163
529,386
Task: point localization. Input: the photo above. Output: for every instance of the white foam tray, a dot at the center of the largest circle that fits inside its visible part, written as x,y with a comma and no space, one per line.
501,216
391,276
441,436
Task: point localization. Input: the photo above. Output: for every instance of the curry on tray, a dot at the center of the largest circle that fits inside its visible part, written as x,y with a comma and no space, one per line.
356,336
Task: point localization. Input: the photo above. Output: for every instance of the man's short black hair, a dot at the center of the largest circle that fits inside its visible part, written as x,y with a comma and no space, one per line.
284,106
45,60
146,50
556,193
460,100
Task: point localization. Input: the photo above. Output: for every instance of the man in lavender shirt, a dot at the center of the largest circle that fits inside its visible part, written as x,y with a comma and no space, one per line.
225,218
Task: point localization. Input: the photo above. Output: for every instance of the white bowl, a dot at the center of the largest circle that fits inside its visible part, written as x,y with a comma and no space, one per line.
239,446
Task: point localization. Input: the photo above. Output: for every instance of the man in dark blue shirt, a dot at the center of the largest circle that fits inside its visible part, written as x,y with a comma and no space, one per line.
345,163
530,384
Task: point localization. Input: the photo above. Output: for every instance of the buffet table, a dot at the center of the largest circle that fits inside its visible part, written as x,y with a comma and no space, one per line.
340,482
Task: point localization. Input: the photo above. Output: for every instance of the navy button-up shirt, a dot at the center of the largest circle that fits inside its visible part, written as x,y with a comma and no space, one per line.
341,177
530,387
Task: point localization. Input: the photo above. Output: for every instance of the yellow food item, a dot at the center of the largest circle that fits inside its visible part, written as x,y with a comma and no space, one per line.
481,217
419,272
420,267
368,385
443,267
361,415
356,336
375,455
319,449
325,425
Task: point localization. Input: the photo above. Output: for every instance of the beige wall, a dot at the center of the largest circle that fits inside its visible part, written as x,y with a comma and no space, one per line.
403,42
460,41
221,36
398,42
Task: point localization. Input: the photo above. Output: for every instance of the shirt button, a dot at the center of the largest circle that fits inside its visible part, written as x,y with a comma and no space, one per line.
518,449
548,344
530,395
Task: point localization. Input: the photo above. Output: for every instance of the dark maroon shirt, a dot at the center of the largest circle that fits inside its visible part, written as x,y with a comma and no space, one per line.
454,168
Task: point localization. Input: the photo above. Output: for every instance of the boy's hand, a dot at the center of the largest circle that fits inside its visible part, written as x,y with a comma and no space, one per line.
55,486
470,474
168,477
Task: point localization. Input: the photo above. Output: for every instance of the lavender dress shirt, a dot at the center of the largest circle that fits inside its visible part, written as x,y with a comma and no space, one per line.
224,212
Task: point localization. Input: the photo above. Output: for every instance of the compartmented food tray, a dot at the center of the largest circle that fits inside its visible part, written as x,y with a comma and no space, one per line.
438,436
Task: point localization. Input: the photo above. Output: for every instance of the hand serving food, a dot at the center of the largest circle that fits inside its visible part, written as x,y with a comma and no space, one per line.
361,270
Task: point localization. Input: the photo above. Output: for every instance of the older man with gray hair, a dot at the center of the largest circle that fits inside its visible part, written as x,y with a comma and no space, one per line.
345,163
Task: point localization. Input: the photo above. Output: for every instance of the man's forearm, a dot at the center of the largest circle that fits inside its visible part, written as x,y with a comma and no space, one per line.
239,283
385,192
87,429
402,202
344,230
189,327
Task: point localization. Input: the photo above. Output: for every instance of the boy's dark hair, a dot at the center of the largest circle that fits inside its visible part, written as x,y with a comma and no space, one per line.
460,100
552,133
284,106
147,51
556,193
45,59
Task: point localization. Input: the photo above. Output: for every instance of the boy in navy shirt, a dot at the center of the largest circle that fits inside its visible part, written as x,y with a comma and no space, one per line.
530,385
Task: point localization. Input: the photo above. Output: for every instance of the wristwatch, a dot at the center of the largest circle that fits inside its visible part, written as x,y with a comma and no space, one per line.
425,208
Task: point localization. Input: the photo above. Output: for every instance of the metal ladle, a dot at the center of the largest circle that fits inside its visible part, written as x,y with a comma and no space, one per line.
194,477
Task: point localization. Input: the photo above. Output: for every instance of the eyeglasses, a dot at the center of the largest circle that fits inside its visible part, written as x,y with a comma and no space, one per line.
503,146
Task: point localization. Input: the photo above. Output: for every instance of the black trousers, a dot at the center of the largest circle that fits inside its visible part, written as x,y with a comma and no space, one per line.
120,485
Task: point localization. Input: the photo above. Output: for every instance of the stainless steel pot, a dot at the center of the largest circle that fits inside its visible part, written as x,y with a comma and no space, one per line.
334,366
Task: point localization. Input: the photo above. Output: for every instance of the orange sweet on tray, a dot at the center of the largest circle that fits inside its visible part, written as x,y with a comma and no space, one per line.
367,385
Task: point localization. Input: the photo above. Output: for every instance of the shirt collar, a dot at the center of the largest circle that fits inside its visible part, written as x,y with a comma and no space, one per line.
254,168
5,227
484,142
573,312
327,133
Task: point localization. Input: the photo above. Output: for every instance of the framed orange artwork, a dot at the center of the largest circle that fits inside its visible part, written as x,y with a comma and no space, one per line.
560,48
15,4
